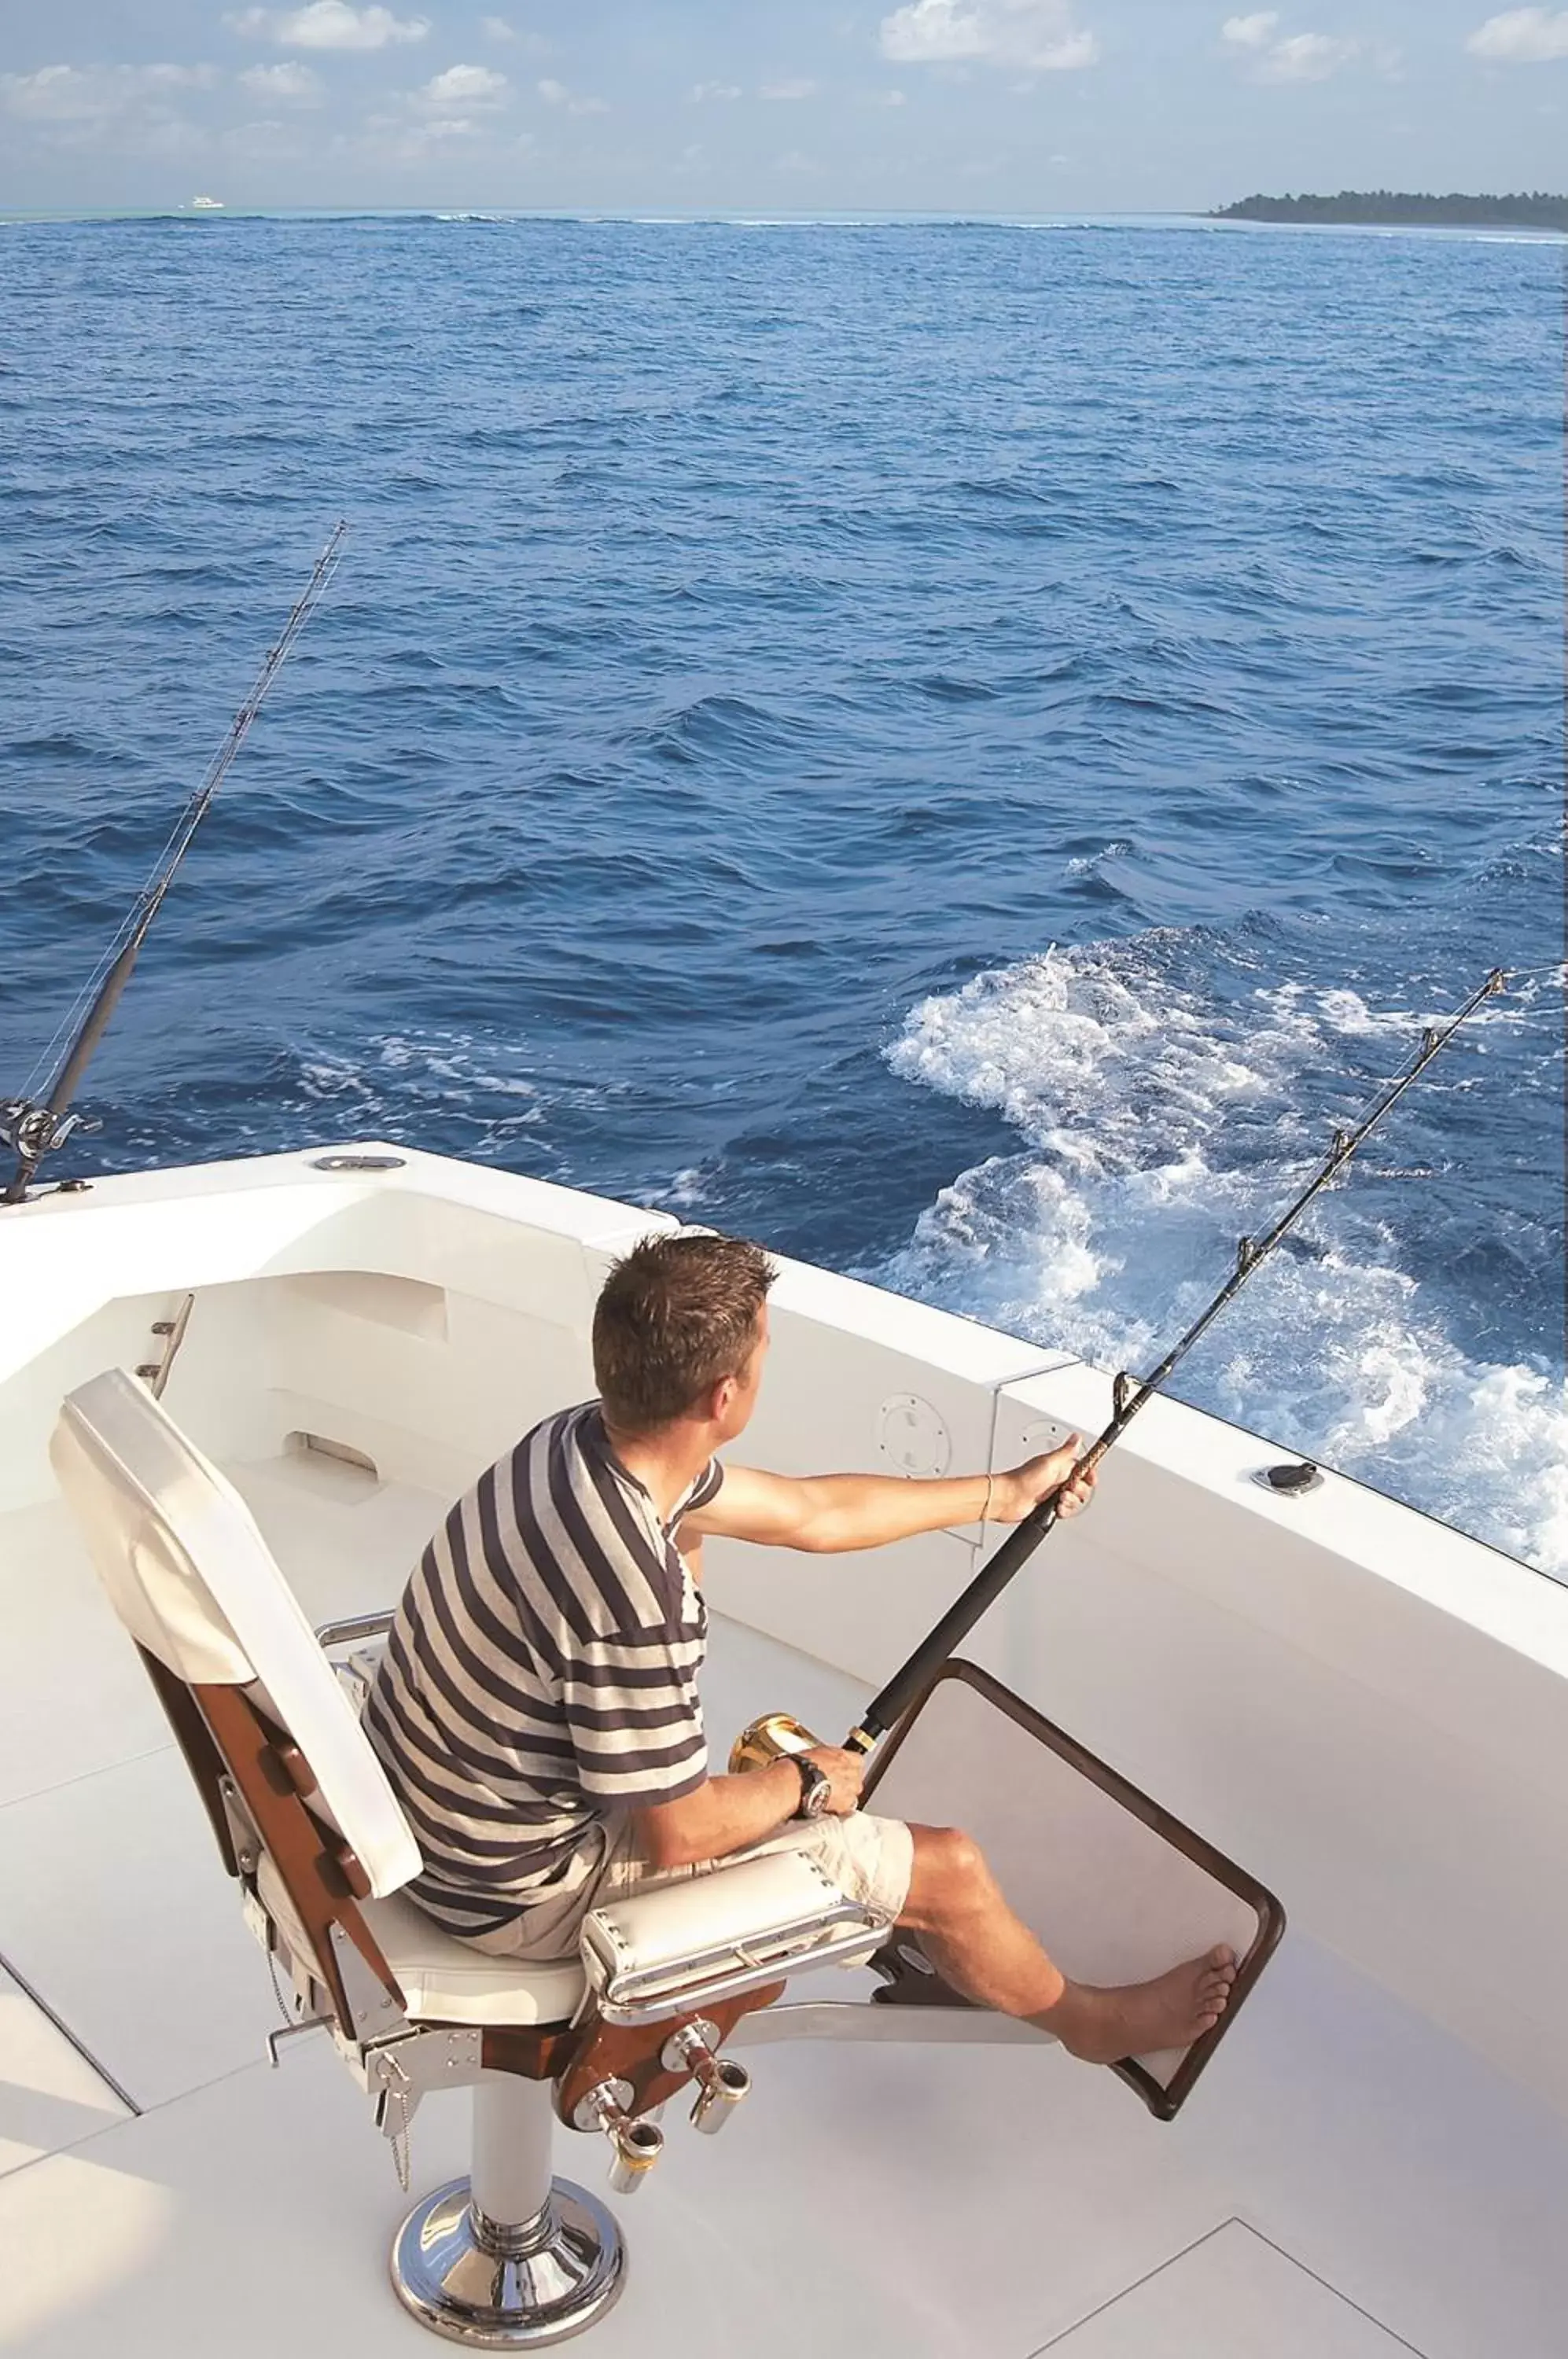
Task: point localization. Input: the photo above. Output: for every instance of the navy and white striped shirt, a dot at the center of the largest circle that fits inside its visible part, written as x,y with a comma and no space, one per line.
541,1674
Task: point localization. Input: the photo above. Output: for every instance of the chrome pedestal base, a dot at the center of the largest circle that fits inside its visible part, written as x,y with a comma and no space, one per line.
504,2288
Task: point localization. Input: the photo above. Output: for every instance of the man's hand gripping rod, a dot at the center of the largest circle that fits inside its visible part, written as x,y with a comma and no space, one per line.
766,1739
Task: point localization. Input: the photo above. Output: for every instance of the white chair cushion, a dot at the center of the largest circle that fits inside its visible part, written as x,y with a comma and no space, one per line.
444,1981
772,1915
192,1579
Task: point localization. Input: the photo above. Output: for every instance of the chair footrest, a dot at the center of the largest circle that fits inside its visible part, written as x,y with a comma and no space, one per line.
661,1952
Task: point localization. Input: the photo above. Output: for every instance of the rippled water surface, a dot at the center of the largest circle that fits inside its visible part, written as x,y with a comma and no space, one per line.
957,749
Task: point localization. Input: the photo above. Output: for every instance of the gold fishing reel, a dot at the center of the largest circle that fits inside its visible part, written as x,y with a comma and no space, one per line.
772,1738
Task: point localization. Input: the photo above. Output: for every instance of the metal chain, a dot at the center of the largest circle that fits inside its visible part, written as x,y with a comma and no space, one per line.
400,2139
284,2009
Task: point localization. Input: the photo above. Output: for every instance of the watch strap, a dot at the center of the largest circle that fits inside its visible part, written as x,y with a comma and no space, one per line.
812,1781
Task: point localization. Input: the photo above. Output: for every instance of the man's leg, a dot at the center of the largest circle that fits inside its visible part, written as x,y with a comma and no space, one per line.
976,1943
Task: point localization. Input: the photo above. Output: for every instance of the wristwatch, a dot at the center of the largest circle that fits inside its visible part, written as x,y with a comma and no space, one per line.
816,1787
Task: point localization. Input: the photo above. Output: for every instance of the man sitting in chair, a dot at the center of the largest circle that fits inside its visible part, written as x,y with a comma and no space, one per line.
536,1708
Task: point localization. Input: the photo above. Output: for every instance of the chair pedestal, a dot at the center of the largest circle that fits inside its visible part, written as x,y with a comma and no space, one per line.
509,2259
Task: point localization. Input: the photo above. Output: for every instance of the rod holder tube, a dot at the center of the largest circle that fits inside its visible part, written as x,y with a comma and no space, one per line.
635,2147
721,2091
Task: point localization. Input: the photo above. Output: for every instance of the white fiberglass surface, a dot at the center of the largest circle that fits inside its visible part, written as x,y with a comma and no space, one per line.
1232,2296
866,2199
50,2096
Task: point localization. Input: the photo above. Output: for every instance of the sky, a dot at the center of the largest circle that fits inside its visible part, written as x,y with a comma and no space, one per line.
983,106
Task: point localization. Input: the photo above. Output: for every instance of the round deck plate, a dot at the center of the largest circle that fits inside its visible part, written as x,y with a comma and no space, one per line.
914,1436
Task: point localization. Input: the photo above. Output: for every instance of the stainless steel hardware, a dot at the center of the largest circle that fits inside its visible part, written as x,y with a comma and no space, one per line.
278,2040
635,2146
154,1374
355,1626
722,2092
722,2083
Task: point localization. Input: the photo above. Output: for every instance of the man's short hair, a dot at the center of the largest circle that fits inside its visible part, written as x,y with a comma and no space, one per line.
673,1318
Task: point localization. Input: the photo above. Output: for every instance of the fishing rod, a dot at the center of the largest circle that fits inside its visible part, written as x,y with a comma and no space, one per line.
33,1128
776,1733
1129,1394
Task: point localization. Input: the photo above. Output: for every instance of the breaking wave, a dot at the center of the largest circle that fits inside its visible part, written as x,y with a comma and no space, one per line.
1168,1103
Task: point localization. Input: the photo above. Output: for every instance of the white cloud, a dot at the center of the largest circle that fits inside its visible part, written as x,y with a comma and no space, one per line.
703,92
1251,32
1272,56
506,34
291,83
787,89
269,141
555,93
465,86
1307,56
1038,34
327,25
91,94
1522,37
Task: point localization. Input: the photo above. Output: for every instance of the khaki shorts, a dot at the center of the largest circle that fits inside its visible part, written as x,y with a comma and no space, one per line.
871,1860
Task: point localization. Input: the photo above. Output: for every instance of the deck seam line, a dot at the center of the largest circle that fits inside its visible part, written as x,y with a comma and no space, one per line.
1336,2290
1146,2279
138,2113
81,1776
66,2034
1247,2228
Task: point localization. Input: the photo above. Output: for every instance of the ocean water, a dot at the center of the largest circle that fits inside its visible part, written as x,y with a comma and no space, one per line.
958,749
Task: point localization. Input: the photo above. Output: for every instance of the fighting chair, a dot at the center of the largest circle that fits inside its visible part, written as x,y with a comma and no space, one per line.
307,1823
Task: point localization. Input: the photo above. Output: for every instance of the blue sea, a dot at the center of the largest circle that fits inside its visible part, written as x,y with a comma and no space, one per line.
958,748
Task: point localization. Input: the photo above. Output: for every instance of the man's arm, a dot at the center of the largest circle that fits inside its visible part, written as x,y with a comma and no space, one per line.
824,1513
727,1814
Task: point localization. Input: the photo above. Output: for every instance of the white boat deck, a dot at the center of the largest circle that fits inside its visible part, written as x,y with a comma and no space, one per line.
1349,2182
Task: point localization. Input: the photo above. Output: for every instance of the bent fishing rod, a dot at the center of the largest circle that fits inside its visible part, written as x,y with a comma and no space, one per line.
778,1733
1130,1394
35,1128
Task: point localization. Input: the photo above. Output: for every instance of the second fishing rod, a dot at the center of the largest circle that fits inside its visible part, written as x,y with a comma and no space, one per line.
776,1733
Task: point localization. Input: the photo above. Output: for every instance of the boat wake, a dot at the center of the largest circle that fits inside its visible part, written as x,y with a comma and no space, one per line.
1167,1100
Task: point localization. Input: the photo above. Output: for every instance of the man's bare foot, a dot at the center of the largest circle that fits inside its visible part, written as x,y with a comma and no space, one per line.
1104,2026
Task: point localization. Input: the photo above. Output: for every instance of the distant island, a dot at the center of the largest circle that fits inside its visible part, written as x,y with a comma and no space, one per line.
1394,206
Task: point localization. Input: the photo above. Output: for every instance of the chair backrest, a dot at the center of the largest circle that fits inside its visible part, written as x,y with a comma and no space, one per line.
196,1585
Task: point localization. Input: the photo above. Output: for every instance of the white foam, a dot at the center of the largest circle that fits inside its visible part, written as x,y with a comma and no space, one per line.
688,1189
1086,863
1158,1129
403,1076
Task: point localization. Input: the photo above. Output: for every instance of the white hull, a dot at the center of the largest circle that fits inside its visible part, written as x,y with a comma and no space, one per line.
1367,1710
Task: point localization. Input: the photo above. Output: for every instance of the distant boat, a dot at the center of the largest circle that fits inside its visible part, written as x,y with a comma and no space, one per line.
206,205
